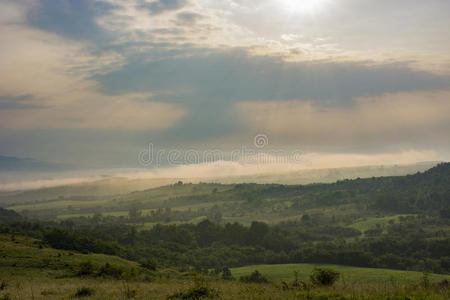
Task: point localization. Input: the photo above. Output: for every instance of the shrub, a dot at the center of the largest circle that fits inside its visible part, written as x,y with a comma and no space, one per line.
426,280
198,292
226,274
6,297
86,268
255,277
84,292
149,264
444,284
111,270
325,277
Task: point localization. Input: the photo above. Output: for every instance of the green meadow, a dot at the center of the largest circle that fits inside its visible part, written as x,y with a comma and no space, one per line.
285,272
374,222
31,270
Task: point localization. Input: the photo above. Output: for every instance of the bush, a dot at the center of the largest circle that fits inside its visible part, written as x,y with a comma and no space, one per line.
3,285
226,274
6,297
325,277
255,277
444,284
149,264
111,270
199,292
86,268
84,292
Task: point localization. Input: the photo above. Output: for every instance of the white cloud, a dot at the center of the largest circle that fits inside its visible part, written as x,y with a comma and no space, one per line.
290,36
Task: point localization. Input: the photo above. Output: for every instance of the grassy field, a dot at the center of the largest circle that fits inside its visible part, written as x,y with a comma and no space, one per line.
371,223
30,270
144,211
118,205
285,272
102,288
21,254
167,285
60,204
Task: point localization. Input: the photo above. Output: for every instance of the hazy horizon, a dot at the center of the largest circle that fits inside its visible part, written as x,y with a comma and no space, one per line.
219,172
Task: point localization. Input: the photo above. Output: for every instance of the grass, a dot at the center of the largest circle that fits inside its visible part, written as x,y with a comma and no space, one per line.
118,205
20,287
149,225
371,223
144,211
26,255
32,271
285,272
59,204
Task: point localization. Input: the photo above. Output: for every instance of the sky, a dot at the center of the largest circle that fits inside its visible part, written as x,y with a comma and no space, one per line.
95,83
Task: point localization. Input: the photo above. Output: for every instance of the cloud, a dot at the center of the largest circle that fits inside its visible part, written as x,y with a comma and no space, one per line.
209,82
101,112
385,30
188,18
414,118
47,67
160,6
51,86
206,76
16,102
290,36
74,19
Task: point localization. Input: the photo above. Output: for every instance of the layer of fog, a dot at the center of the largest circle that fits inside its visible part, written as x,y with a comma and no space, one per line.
261,165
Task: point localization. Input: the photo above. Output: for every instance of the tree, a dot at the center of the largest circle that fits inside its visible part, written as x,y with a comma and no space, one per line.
134,213
257,232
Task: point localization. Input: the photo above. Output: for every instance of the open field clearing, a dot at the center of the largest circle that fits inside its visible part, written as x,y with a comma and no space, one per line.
285,272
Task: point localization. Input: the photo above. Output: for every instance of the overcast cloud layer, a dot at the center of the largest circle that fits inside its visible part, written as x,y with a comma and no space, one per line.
93,82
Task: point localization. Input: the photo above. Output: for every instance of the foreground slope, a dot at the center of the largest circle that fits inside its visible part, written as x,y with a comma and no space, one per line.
30,270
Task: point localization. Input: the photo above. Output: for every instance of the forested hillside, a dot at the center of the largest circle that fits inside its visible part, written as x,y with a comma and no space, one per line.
396,222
